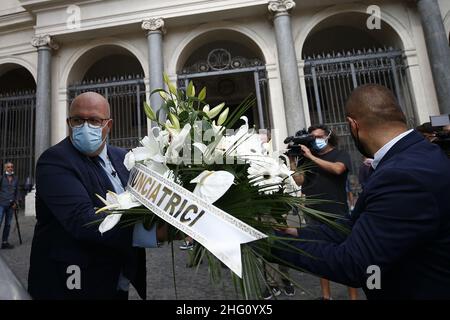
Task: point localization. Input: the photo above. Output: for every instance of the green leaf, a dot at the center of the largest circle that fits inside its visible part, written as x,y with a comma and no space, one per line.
184,116
202,94
149,111
164,95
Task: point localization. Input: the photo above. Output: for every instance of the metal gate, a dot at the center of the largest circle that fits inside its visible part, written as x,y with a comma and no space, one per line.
331,78
220,62
17,121
126,96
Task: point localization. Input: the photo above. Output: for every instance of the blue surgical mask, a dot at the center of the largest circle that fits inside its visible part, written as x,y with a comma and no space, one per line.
320,144
86,139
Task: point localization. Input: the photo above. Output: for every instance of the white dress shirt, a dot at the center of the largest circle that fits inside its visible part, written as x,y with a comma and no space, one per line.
141,237
384,149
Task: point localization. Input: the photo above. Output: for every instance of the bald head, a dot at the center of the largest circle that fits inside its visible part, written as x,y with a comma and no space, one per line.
374,106
92,108
90,105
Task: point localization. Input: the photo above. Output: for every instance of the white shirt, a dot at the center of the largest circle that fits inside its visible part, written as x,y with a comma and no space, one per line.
384,149
110,171
141,237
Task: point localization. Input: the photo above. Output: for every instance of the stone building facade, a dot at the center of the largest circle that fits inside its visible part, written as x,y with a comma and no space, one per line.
299,59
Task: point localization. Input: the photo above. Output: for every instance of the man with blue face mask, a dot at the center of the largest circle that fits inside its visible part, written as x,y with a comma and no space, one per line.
398,242
70,259
9,185
326,179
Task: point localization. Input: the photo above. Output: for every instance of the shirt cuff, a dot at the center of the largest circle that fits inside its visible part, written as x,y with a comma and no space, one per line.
144,238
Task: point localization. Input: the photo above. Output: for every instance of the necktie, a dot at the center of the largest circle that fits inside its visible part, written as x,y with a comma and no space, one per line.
102,177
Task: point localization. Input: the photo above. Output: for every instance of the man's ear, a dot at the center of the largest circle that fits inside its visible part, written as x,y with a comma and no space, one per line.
353,124
69,129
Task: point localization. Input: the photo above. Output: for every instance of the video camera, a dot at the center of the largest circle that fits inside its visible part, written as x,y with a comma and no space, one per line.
302,137
442,123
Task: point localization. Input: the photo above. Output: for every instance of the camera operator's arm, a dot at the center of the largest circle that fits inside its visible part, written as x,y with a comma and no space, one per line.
299,177
336,168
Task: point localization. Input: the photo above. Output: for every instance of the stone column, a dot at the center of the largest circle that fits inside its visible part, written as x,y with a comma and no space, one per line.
438,50
287,61
155,30
44,45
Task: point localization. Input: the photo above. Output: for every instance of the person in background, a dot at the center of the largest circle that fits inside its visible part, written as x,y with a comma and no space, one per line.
9,196
326,180
188,244
365,171
427,131
350,196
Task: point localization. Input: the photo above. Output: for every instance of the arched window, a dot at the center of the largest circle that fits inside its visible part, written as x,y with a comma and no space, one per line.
17,120
231,69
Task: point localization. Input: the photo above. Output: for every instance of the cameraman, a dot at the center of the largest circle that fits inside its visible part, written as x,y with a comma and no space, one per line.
439,135
325,180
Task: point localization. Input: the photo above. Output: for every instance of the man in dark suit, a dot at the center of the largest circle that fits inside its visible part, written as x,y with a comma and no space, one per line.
70,259
399,243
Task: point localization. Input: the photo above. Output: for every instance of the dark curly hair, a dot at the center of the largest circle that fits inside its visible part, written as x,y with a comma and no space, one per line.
332,140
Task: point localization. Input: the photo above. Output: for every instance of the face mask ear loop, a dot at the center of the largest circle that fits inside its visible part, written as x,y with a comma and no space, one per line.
328,136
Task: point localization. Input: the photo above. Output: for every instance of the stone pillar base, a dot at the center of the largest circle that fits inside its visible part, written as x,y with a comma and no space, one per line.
30,198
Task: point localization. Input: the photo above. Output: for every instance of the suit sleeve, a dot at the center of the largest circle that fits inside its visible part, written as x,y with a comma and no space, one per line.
399,213
323,232
70,203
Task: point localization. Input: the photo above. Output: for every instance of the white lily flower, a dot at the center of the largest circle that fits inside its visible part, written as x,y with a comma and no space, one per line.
157,140
150,150
270,172
216,129
129,161
232,142
163,138
115,201
177,143
212,185
122,201
109,222
250,146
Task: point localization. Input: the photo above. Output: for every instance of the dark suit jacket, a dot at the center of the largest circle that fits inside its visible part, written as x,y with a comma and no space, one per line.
401,223
66,184
6,199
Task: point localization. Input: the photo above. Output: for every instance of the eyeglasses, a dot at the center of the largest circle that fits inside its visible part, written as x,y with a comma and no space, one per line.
94,123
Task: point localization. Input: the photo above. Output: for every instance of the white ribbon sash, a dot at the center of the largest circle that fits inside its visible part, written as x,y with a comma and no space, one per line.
216,230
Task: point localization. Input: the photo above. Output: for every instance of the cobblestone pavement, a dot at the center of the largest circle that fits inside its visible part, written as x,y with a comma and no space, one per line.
191,284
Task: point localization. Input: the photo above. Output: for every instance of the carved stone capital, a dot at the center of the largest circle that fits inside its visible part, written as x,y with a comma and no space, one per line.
44,41
153,24
281,6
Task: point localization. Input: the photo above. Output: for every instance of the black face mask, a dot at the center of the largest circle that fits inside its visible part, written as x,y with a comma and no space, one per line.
358,143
